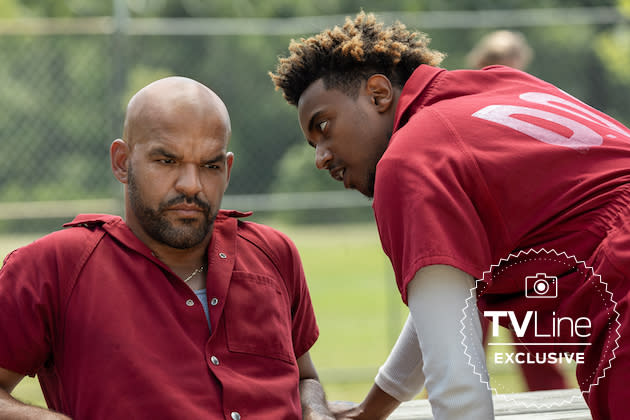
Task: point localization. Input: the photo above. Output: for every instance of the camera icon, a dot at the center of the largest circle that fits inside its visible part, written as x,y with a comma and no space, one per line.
541,286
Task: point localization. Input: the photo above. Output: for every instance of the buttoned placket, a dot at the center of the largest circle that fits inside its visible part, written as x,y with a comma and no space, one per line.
213,359
215,301
234,415
189,302
221,262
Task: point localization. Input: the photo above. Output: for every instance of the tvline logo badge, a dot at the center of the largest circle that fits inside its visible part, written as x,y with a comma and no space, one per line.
549,301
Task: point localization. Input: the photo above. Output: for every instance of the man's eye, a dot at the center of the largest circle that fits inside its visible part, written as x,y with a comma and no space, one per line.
167,161
323,125
212,166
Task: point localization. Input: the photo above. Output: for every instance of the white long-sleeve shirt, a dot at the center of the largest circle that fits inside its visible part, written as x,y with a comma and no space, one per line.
429,350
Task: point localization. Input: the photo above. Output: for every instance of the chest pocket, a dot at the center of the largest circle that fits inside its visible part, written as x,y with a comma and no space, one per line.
258,317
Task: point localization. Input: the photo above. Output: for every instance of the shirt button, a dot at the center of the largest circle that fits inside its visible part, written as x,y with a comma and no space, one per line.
222,255
214,301
215,361
190,302
235,415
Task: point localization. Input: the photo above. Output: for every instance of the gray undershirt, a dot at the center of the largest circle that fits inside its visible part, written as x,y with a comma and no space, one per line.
203,298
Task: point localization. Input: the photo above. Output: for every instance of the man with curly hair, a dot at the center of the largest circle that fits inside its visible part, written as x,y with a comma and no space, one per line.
474,174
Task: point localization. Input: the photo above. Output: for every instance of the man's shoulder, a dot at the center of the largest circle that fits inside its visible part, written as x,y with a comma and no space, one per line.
82,227
74,234
271,241
274,243
92,220
248,229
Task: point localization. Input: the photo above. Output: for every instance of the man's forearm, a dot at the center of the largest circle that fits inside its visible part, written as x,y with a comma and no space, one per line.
378,404
437,296
313,398
399,379
401,375
10,408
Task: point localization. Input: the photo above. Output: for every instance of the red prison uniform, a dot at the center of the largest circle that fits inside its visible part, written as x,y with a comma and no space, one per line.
112,332
486,163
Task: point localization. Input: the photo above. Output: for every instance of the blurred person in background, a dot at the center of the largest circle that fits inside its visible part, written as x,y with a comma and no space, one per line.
507,48
510,48
467,169
179,311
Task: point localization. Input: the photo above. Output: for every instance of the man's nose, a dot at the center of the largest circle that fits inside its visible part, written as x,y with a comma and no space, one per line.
322,157
188,181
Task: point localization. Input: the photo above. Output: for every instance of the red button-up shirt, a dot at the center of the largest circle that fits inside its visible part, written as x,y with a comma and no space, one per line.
485,163
113,333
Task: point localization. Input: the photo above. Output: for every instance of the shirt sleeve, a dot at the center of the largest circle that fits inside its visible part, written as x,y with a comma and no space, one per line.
28,301
429,202
401,375
437,296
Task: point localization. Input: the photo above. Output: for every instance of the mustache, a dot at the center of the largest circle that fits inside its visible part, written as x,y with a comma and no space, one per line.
187,200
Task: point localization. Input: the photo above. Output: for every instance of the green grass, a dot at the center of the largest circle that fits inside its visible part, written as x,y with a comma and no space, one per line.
28,390
358,308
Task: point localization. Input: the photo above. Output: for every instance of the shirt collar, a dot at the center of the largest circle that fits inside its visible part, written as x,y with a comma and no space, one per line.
117,228
417,85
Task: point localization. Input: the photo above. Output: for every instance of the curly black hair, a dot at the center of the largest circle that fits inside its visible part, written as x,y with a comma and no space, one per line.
344,57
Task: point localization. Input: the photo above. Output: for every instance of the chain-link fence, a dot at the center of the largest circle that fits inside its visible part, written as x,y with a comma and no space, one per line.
64,86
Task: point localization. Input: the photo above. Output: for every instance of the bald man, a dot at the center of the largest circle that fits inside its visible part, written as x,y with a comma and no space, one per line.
181,310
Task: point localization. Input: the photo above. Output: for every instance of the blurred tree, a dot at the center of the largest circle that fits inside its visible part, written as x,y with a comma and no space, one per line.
297,169
45,8
63,96
9,9
612,48
55,117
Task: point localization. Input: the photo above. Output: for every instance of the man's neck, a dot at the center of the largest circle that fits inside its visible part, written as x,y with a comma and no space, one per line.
191,265
182,258
176,259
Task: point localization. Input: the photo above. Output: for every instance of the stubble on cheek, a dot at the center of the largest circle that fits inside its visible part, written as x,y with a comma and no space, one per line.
180,233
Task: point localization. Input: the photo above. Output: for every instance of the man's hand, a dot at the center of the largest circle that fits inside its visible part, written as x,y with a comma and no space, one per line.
377,405
313,415
344,410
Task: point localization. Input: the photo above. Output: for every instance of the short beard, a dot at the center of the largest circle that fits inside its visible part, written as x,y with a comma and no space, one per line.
371,181
157,225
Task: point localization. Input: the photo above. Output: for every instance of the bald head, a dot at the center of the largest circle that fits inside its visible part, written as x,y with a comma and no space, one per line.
173,153
169,103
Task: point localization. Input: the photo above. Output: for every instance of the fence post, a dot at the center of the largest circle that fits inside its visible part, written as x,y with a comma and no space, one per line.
119,76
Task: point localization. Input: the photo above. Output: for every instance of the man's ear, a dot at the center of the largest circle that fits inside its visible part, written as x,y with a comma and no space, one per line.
381,92
229,160
119,155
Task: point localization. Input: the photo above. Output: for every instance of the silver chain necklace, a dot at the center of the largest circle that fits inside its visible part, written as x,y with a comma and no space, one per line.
194,273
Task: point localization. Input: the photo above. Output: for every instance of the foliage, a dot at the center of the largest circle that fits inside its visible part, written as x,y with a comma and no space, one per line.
49,86
63,96
296,171
614,50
